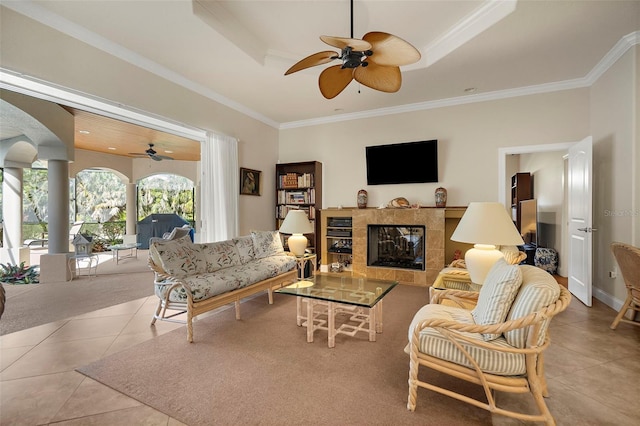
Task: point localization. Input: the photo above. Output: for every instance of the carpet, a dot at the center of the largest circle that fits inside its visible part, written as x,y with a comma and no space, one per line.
261,370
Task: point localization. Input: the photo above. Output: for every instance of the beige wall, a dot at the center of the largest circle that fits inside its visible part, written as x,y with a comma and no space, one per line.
468,136
616,208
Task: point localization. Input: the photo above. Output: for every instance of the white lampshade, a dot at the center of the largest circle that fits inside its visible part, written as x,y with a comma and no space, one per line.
296,223
485,224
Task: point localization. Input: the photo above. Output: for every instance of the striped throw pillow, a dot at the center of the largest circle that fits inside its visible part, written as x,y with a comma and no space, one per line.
539,290
496,295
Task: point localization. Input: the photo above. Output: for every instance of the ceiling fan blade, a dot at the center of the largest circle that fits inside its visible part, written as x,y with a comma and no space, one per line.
138,154
313,60
341,43
391,50
160,157
378,77
333,80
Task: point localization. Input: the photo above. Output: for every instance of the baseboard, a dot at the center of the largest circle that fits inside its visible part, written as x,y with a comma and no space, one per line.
609,300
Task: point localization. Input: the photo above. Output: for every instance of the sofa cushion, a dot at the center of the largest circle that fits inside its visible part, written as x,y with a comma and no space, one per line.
434,343
179,257
204,286
219,255
267,243
245,248
496,295
538,290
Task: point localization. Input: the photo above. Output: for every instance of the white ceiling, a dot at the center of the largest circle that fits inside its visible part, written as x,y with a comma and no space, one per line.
237,51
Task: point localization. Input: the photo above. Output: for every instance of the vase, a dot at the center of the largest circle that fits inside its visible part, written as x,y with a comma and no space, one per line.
441,197
363,198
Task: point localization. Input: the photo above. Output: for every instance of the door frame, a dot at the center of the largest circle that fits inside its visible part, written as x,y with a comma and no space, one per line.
504,181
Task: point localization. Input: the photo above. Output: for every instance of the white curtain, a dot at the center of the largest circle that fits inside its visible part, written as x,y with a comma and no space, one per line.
219,188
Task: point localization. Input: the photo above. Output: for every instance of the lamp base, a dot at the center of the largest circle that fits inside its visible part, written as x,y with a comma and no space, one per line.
479,261
297,244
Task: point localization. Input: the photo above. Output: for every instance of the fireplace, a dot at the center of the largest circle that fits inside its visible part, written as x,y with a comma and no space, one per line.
396,246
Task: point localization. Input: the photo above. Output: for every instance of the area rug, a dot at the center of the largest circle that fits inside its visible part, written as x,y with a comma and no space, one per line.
261,370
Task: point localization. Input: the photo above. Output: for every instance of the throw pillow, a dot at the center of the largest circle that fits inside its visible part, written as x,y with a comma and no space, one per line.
180,257
267,243
496,295
245,248
220,255
538,290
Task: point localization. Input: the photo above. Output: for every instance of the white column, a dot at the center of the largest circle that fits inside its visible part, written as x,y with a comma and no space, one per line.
12,207
132,209
12,250
58,205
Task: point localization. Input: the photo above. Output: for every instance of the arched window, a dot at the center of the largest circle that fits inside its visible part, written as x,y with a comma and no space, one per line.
166,193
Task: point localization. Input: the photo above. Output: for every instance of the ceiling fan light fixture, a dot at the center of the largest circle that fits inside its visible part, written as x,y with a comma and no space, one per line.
386,52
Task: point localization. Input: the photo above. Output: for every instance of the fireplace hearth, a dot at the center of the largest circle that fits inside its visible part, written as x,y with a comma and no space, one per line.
396,246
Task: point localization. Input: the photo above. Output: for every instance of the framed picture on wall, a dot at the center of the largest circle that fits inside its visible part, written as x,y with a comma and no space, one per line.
250,181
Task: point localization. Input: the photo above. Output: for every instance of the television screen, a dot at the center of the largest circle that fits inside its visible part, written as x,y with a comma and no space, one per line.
410,162
529,221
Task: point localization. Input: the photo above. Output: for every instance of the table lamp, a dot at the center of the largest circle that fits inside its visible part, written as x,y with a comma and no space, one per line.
486,225
296,223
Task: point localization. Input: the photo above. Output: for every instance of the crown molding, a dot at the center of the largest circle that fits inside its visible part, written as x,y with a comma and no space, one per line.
619,49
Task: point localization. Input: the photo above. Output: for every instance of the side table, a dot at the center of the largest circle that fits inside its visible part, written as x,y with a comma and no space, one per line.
83,262
303,261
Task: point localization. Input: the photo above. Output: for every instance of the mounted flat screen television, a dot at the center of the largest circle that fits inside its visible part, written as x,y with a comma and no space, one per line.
410,162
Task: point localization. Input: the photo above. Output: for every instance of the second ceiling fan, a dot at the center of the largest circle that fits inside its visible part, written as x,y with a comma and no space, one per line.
373,61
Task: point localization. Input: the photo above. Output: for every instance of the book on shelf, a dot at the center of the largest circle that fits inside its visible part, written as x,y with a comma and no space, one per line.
281,211
295,180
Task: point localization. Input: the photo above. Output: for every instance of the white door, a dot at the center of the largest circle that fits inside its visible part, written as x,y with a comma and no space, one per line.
580,216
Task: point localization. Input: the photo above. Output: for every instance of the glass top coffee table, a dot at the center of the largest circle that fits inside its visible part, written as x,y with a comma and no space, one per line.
117,248
327,295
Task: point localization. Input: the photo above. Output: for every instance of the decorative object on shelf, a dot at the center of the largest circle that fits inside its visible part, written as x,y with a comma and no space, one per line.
399,203
363,198
485,224
296,223
441,197
250,181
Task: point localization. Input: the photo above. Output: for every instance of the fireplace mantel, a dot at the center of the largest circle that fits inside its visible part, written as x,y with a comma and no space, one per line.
434,221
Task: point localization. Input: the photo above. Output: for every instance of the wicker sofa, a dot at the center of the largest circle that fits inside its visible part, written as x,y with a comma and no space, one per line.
196,278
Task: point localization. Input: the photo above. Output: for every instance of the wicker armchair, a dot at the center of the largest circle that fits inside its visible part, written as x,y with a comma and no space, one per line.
498,354
628,258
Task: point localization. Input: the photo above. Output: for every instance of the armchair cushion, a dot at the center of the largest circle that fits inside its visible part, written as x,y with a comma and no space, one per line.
496,295
539,289
512,255
432,342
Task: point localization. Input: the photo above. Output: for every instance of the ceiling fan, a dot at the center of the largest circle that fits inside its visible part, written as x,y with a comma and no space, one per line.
151,153
373,61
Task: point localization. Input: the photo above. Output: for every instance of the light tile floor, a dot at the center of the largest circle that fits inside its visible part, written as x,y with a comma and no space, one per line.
591,369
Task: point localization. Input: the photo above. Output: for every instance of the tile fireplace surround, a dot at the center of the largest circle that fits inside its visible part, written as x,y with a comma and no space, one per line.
431,218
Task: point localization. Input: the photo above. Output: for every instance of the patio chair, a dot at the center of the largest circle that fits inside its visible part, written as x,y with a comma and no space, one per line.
499,345
628,258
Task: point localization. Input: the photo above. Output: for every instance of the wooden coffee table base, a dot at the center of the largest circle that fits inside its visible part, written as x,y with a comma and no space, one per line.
323,317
